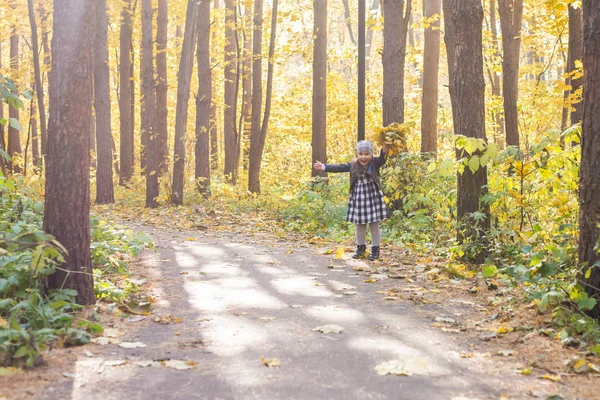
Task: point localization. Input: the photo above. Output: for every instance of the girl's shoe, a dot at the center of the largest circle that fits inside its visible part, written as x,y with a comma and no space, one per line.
374,253
360,251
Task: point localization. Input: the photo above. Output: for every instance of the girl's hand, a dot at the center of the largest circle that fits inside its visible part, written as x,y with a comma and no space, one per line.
318,165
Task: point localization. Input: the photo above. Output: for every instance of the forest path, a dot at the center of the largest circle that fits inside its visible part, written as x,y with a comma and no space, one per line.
242,301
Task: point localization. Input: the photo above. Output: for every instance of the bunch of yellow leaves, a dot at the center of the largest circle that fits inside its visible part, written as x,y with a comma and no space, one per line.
394,136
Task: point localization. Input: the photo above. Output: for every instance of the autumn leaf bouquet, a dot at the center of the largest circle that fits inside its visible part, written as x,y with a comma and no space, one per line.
394,137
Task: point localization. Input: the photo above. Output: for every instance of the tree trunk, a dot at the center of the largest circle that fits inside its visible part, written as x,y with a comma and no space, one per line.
255,149
431,66
229,77
467,92
319,95
125,85
214,137
161,129
37,72
67,199
14,139
35,139
589,179
511,17
395,28
575,54
47,61
203,100
149,140
348,19
104,154
246,95
184,76
495,79
369,39
2,131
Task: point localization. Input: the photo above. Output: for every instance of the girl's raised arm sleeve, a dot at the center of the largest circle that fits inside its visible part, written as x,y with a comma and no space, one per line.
337,167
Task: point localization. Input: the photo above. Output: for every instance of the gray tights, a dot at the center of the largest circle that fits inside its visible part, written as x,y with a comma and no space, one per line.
361,233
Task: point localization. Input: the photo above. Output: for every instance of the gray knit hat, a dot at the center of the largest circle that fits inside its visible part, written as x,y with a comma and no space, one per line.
364,146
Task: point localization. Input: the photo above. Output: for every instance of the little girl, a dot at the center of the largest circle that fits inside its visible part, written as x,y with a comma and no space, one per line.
366,204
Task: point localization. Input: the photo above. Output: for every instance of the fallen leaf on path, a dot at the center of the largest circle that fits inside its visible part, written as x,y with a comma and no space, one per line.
8,371
88,353
350,293
179,364
446,320
553,378
319,284
183,273
296,306
115,363
507,353
167,319
339,253
131,345
148,363
68,375
112,332
391,298
136,318
581,366
270,362
370,280
329,329
503,330
415,366
450,330
525,371
103,341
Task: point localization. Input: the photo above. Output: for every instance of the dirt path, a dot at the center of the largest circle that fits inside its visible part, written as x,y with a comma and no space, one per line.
244,304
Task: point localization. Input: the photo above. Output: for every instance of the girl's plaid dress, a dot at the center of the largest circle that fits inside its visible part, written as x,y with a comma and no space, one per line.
366,202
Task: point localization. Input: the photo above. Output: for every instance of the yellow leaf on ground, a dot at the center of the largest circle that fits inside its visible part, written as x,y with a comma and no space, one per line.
553,378
339,253
270,362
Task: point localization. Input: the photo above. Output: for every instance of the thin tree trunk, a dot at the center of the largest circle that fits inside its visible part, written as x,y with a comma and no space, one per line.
467,92
35,147
575,54
2,131
246,94
149,140
589,179
184,75
125,85
369,39
395,29
203,100
348,19
229,77
495,79
511,17
47,62
431,63
319,95
67,199
14,139
255,149
214,137
161,129
104,154
38,75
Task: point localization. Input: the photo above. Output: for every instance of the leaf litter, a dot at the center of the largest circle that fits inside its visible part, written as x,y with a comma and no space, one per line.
329,329
409,367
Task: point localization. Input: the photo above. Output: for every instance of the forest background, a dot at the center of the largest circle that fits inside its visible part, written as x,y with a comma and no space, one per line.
282,99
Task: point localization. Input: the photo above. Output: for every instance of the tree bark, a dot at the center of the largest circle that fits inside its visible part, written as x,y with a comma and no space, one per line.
575,54
125,85
246,94
431,64
589,179
161,129
149,140
104,154
348,20
14,139
186,63
2,131
203,100
467,92
229,77
369,38
255,149
35,139
37,72
214,137
319,95
67,199
395,28
511,18
495,79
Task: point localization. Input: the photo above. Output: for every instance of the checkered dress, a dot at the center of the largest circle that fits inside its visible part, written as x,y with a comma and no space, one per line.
366,202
